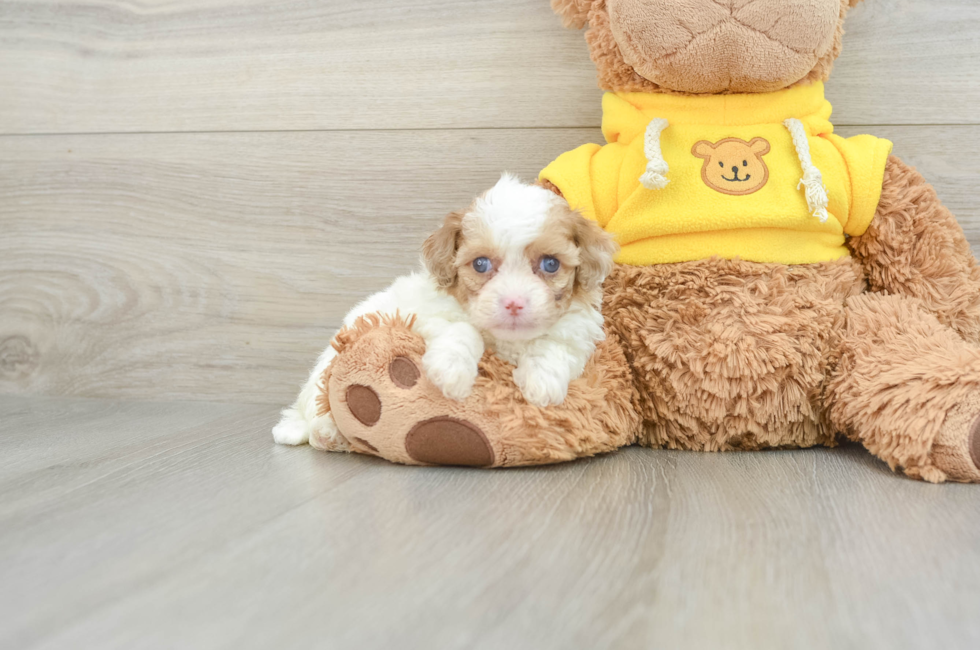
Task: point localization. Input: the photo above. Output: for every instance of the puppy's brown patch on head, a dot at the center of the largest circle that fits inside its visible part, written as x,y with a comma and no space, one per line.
558,241
476,242
585,251
595,248
439,250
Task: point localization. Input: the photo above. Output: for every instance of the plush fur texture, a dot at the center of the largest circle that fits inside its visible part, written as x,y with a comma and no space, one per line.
793,356
688,75
956,448
599,414
882,347
517,273
915,247
731,354
900,373
727,46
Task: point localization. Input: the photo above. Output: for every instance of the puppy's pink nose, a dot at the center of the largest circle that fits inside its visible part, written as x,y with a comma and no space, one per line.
514,305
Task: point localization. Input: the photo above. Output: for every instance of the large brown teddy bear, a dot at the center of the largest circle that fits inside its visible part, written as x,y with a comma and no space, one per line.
778,286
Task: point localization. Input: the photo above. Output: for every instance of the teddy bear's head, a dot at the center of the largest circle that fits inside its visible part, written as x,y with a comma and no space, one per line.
709,46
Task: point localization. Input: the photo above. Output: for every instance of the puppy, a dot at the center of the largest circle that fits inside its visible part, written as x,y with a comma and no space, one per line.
519,273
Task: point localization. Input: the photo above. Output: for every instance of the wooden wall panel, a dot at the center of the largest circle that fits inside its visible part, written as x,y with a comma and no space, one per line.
214,266
233,65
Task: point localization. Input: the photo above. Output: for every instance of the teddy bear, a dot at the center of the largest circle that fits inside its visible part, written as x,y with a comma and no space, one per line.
778,286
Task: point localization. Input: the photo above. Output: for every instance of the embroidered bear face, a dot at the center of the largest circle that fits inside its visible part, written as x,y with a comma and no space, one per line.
734,166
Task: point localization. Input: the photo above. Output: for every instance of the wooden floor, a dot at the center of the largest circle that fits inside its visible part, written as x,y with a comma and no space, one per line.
178,525
193,192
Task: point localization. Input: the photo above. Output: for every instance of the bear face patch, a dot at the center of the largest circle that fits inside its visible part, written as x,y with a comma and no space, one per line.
734,166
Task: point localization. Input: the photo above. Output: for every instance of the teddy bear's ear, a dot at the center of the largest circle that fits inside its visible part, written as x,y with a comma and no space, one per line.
703,149
574,13
759,146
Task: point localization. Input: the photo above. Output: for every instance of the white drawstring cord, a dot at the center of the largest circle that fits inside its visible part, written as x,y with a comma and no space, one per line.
655,177
816,193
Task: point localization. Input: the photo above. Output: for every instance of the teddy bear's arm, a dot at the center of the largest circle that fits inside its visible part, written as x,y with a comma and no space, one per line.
915,247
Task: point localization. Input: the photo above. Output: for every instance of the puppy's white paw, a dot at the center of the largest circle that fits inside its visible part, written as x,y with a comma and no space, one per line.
325,435
453,372
292,429
541,386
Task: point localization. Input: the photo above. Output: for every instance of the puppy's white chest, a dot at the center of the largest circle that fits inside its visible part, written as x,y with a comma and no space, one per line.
509,351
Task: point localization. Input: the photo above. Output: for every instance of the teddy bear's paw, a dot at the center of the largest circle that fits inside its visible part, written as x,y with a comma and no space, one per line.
438,440
956,450
385,405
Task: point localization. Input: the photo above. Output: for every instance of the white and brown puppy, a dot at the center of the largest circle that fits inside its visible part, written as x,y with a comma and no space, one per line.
519,273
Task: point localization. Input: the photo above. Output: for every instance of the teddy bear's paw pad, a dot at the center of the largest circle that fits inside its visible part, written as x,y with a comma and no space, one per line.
364,404
975,443
956,450
404,373
363,446
449,441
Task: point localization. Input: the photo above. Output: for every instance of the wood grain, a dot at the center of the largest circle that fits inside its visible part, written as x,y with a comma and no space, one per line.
215,266
228,65
183,526
220,181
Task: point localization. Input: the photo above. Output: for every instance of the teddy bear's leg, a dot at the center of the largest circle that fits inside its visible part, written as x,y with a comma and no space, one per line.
908,388
728,354
915,247
383,404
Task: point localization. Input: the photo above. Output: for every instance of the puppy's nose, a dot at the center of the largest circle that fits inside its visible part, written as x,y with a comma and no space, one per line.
513,305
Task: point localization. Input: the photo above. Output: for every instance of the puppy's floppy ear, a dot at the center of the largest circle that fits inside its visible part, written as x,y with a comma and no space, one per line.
551,187
439,250
596,251
574,13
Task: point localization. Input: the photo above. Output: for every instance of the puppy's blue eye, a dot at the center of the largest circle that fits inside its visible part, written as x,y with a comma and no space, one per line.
549,265
482,265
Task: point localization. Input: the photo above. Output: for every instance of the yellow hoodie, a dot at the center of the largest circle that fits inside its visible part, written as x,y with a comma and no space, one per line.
759,177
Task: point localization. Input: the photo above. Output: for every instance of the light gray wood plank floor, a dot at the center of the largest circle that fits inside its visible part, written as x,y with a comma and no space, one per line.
149,525
191,195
